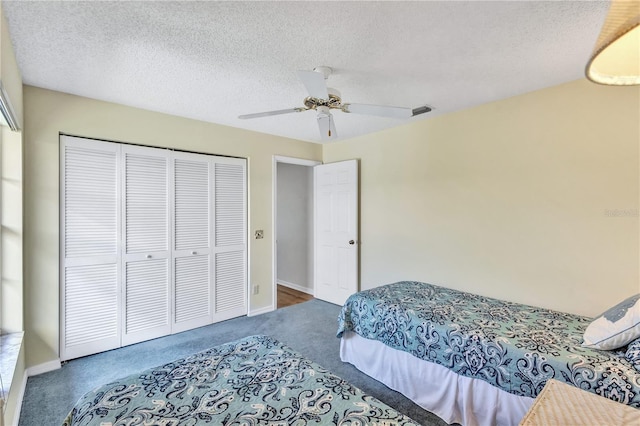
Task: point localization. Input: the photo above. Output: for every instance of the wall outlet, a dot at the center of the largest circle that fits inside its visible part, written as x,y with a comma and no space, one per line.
259,234
256,289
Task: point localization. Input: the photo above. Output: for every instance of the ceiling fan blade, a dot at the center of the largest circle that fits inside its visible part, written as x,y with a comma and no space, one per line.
268,113
315,84
385,111
327,127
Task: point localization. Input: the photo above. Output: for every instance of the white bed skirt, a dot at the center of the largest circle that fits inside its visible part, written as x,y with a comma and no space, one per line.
453,398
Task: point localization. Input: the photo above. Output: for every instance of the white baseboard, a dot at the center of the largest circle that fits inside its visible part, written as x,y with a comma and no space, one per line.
32,371
21,391
296,287
259,311
43,368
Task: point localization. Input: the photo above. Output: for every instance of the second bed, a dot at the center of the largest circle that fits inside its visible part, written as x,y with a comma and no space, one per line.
471,359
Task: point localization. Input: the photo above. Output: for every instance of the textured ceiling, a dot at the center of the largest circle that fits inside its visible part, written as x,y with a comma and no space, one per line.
213,61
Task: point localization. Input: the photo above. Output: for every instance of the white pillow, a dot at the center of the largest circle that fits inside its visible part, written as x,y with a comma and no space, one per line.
616,327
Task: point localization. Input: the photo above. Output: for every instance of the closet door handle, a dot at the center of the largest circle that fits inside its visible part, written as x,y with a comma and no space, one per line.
194,252
148,256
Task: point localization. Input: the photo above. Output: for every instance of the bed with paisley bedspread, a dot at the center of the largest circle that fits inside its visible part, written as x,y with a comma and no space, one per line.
252,381
472,359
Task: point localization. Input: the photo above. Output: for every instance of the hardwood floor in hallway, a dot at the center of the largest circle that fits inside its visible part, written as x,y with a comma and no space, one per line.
288,296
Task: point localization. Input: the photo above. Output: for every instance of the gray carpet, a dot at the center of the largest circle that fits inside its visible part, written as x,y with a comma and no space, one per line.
309,328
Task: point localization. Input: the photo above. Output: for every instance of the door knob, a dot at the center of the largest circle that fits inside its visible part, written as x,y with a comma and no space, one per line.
148,256
351,242
194,252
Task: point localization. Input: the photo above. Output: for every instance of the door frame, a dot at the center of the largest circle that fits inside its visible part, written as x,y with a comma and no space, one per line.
274,219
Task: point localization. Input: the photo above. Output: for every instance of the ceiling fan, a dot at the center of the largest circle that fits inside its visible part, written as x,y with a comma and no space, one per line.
323,99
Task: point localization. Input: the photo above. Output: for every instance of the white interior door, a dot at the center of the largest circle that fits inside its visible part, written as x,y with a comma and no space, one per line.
336,230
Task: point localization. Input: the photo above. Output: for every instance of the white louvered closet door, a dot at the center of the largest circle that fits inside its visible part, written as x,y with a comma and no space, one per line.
153,242
192,273
146,239
90,269
230,232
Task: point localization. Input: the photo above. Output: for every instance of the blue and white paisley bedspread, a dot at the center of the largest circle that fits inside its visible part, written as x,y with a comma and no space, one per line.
252,381
514,347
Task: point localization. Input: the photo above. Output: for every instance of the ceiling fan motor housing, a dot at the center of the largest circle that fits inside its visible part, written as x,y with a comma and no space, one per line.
334,101
325,71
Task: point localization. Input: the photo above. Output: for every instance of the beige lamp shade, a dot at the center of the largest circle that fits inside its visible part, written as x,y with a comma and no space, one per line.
616,57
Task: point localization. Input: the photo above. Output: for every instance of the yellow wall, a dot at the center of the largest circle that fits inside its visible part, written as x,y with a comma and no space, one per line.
49,113
509,199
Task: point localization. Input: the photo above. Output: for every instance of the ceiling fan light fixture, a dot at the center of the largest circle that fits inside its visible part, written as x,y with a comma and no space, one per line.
616,57
323,111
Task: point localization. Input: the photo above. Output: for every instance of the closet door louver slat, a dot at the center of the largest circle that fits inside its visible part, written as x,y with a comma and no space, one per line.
191,188
89,305
193,289
230,279
230,204
147,295
90,203
146,194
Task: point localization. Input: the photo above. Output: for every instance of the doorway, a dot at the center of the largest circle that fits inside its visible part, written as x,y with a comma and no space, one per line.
293,280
